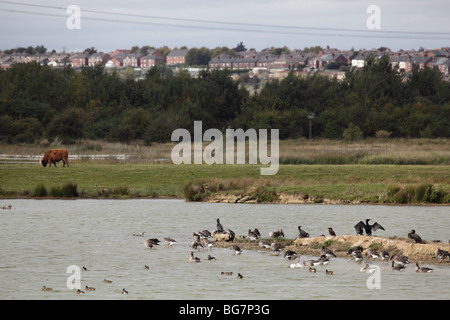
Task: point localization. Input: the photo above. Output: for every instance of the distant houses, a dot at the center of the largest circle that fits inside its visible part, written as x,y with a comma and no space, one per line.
324,60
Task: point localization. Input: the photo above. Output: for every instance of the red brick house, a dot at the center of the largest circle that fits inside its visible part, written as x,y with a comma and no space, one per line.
223,61
98,58
152,59
176,57
79,60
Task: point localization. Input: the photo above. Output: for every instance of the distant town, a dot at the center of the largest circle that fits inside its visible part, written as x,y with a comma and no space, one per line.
274,62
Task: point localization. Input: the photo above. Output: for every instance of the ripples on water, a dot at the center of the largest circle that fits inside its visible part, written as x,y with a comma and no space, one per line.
41,238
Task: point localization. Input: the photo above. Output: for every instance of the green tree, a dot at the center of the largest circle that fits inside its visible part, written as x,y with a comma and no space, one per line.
198,56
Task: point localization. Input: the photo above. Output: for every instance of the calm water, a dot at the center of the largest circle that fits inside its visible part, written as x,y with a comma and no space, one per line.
40,239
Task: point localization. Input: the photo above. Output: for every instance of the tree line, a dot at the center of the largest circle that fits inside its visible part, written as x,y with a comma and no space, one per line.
39,102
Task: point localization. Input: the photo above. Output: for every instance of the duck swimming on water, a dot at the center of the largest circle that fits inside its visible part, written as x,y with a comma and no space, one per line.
237,250
170,241
397,267
289,254
423,269
149,243
193,259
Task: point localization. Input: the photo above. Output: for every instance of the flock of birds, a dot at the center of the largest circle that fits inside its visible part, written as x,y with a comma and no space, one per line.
398,262
203,240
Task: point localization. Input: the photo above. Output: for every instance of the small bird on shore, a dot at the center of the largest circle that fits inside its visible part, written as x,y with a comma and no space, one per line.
442,254
413,235
331,232
277,234
327,252
357,255
252,235
276,246
422,269
385,255
265,244
372,253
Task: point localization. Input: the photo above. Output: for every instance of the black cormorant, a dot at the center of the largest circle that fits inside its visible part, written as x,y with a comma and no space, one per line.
360,227
413,235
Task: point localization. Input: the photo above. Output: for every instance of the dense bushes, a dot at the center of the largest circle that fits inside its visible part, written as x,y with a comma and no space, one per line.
422,193
40,102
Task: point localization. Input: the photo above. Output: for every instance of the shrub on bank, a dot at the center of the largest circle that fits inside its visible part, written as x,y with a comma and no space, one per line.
422,193
40,191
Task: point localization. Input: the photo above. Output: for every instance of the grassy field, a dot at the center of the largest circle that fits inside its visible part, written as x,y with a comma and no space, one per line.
367,170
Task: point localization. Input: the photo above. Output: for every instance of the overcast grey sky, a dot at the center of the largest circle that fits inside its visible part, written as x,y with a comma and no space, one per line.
342,24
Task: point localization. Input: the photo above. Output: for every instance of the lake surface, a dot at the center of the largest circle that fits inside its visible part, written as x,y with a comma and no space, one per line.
40,239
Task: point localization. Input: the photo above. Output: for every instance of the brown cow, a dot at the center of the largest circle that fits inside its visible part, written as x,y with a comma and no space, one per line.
55,155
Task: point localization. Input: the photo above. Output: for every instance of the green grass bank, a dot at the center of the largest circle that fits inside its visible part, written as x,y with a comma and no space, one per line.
350,182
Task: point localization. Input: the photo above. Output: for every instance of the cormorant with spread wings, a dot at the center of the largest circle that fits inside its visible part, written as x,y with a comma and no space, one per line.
360,227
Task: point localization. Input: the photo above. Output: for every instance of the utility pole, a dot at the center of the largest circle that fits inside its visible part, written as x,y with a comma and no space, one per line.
310,118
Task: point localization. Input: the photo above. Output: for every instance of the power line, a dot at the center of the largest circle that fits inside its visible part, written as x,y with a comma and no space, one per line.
338,32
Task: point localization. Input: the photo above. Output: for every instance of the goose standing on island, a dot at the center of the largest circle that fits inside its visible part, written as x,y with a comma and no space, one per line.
302,233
